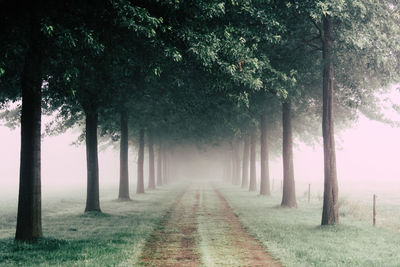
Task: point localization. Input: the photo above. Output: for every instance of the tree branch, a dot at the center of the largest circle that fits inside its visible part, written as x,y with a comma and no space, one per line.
316,26
316,47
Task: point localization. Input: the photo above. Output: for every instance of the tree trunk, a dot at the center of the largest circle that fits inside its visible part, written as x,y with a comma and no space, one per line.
164,167
224,171
245,168
140,178
253,177
233,165
159,167
289,192
228,165
170,168
92,162
264,184
152,178
123,158
29,218
236,163
330,211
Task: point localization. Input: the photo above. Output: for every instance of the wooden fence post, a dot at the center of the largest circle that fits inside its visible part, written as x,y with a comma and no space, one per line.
374,210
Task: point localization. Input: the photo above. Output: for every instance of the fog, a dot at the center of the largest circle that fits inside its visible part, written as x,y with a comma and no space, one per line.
367,163
63,164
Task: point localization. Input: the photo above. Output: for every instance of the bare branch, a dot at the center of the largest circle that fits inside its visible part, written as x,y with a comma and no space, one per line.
311,44
316,26
316,47
313,39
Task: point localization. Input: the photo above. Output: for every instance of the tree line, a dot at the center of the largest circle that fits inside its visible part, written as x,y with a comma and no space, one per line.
203,72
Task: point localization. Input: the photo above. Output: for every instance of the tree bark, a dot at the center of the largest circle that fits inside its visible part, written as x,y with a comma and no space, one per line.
289,192
92,162
29,218
253,177
123,157
140,176
245,166
152,178
264,183
159,167
330,211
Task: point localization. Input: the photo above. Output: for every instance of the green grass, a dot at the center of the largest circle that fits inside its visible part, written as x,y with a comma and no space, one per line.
113,238
117,237
295,237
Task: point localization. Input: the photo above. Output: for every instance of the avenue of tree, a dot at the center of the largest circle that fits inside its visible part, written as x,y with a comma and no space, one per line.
245,76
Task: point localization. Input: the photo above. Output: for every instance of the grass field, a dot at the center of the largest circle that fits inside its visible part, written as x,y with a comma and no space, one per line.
118,235
113,238
295,237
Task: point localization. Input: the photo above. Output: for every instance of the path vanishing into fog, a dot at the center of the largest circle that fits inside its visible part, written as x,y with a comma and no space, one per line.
202,230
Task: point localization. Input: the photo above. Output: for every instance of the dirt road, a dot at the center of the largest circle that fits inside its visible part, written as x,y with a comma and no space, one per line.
202,230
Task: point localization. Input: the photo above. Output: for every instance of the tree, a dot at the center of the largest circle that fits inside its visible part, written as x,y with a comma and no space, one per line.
92,162
159,166
253,177
289,192
90,98
123,173
228,165
33,26
97,79
235,162
29,218
265,107
349,33
245,168
264,161
165,166
140,163
152,178
330,211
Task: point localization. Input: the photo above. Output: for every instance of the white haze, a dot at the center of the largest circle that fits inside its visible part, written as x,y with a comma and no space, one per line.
367,163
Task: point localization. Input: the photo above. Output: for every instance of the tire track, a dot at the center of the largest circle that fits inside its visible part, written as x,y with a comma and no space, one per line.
202,230
174,243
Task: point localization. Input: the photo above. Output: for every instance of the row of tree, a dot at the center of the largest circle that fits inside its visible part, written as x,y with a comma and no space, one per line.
242,170
204,72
